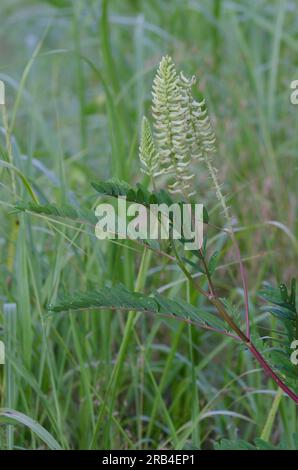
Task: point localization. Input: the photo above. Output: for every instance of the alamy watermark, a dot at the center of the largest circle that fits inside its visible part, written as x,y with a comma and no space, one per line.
2,353
294,94
2,92
294,355
158,221
294,100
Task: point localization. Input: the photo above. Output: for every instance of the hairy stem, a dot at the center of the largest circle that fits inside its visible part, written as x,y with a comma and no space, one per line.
212,172
244,338
271,372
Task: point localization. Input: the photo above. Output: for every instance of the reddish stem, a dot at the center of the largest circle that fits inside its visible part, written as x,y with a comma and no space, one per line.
271,372
244,282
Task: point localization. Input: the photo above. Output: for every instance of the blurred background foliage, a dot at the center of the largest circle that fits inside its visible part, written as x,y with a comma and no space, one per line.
78,79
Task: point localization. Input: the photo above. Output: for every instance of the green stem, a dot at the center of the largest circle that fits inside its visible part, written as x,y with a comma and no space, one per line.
271,416
116,373
106,46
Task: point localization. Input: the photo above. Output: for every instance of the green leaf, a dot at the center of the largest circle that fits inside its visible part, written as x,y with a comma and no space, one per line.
183,309
293,293
284,292
140,195
9,416
274,296
120,298
282,313
260,444
213,262
263,445
240,444
112,187
65,211
282,362
117,297
232,310
194,265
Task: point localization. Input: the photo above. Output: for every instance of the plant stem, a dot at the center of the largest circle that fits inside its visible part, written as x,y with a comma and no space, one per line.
112,387
272,413
244,281
211,287
271,372
212,172
245,339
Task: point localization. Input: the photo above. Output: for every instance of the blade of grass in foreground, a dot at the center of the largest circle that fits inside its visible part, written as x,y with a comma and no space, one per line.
10,318
9,416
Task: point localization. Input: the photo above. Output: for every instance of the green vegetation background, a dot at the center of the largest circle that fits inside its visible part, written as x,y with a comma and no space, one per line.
78,79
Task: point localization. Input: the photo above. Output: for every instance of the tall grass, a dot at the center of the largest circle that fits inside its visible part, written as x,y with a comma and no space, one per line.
77,77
